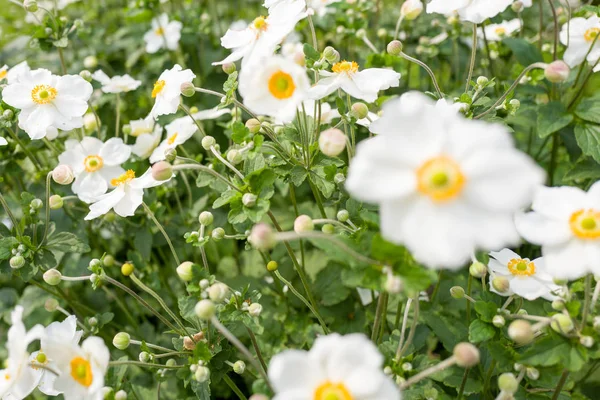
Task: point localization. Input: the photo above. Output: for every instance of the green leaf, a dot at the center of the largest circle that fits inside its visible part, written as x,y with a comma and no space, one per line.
311,53
226,197
204,178
298,175
555,350
186,309
588,139
6,246
240,133
480,331
330,287
486,310
67,242
583,169
525,52
551,118
589,109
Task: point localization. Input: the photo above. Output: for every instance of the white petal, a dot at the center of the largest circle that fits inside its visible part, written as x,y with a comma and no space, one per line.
115,152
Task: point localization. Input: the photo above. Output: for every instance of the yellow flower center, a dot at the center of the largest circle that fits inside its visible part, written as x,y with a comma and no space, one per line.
43,94
332,391
159,31
93,163
440,178
3,74
123,179
81,371
345,66
260,23
172,138
158,87
591,34
520,267
500,31
281,85
41,357
585,224
7,376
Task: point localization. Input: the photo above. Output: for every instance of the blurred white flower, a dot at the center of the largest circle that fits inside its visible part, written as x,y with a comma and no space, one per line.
38,16
411,9
475,11
147,135
328,113
178,132
116,84
294,51
167,90
366,122
446,185
13,74
497,32
579,36
321,7
163,34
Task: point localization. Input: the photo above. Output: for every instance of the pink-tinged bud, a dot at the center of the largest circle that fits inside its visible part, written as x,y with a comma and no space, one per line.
63,175
557,71
466,355
394,47
262,237
332,142
520,331
162,170
303,223
229,68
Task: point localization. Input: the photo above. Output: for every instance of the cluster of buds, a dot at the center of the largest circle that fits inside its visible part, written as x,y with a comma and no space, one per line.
200,371
17,260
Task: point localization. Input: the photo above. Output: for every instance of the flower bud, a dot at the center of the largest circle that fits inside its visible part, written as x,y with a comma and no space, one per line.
332,142
411,10
86,75
532,373
562,323
520,331
8,114
63,175
228,68
558,304
205,309
482,81
508,383
185,272
36,204
272,266
204,283
393,284
258,396
407,366
253,125
218,292
457,292
477,269
108,260
208,142
30,5
343,215
162,170
93,321
122,340
202,374
328,229
330,54
303,223
170,155
249,199
171,362
466,355
17,262
90,62
498,321
501,284
51,304
55,202
394,47
361,33
121,395
239,367
262,237
52,277
514,104
127,269
586,341
255,309
557,71
188,89
234,156
218,233
359,110
107,393
517,6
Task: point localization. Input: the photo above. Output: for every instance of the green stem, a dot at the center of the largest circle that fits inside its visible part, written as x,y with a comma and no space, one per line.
378,315
473,56
200,128
561,383
143,364
118,115
429,71
413,329
162,230
317,198
469,285
234,387
47,216
14,221
586,300
27,152
257,349
461,390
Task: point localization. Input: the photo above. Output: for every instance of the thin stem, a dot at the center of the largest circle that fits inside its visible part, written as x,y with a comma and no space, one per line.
27,152
143,364
202,251
398,23
426,68
595,296
561,383
429,371
204,168
403,329
63,65
227,164
461,390
152,346
378,315
200,128
317,198
118,115
234,387
162,230
473,56
75,278
586,299
47,216
257,349
14,221
413,329
556,30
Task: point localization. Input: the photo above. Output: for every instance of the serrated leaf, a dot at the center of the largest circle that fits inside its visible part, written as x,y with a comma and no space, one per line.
589,109
480,331
588,139
330,287
67,242
525,52
551,118
486,310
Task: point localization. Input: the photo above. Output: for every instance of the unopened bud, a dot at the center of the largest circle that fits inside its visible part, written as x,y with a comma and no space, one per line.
122,340
500,284
253,125
558,304
17,262
188,89
52,277
557,71
86,75
343,215
255,309
30,5
586,341
218,233
517,6
359,110
63,175
234,156
508,383
93,321
272,266
466,355
208,142
185,272
482,81
520,331
393,284
8,114
457,292
258,396
332,142
121,395
55,202
218,292
202,374
498,321
90,62
328,229
562,323
205,309
51,304
162,170
206,218
410,10
303,223
127,269
239,367
170,155
228,68
330,54
477,269
394,47
249,199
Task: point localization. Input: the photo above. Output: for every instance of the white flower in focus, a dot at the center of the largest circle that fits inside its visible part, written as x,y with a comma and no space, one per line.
475,11
147,135
163,34
526,278
167,90
13,74
275,89
47,100
126,197
18,379
497,32
337,367
321,7
363,85
578,35
81,369
446,185
178,132
262,35
565,221
95,164
116,84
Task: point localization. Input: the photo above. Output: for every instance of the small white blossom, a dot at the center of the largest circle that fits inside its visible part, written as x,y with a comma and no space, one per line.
163,34
116,84
167,90
475,11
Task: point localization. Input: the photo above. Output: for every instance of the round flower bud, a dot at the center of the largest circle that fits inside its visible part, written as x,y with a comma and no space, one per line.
55,202
121,395
457,292
343,215
193,367
187,89
208,142
162,171
258,396
466,355
361,33
253,125
51,304
533,373
520,331
218,233
303,223
184,271
206,218
255,309
498,321
228,68
90,62
407,366
411,10
328,229
262,237
127,269
332,142
36,204
339,178
562,323
522,311
170,155
394,47
86,75
508,383
557,71
586,341
93,321
239,367
109,260
482,81
17,262
63,175
218,292
272,266
30,5
393,284
477,269
558,304
359,110
94,263
501,284
381,33
122,340
234,156
388,370
204,283
171,362
249,199
205,309
329,54
52,277
106,392
8,114
517,6
202,374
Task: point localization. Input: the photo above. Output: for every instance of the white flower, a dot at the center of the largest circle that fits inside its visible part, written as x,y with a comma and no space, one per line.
446,185
320,7
94,164
475,11
81,369
167,90
579,35
363,85
211,113
526,278
262,35
13,74
337,367
47,100
178,132
565,221
116,84
17,379
147,135
366,122
294,51
163,34
275,89
328,113
126,197
38,16
497,32
411,9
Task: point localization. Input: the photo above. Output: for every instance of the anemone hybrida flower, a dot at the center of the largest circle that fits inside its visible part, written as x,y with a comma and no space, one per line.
178,132
167,90
163,34
579,35
475,11
497,32
116,84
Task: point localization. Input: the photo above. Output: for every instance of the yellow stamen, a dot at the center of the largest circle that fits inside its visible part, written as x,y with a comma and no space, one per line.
440,178
345,66
521,267
332,391
159,31
591,34
281,85
123,179
585,224
500,31
3,74
158,87
7,376
260,23
43,94
81,371
172,138
93,163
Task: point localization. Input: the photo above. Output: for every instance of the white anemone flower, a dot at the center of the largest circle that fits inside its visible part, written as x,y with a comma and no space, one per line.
363,85
262,35
475,11
126,197
565,221
163,34
95,164
167,90
116,84
47,100
18,379
337,367
178,132
366,122
211,113
527,278
81,369
147,135
13,74
446,185
497,32
3,72
275,89
328,113
321,7
38,16
579,35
